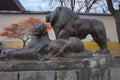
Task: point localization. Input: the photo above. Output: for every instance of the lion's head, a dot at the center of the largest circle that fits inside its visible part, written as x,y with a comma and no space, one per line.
39,30
61,15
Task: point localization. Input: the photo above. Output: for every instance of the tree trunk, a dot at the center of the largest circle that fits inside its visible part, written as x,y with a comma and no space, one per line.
61,2
72,4
24,42
116,14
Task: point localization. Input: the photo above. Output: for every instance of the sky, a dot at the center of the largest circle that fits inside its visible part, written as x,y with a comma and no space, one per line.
38,5
46,5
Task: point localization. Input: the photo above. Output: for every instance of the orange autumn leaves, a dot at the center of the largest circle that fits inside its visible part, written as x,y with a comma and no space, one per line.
10,31
20,29
23,29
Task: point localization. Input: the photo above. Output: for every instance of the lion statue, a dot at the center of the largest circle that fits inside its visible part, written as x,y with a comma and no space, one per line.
42,47
60,47
30,51
68,24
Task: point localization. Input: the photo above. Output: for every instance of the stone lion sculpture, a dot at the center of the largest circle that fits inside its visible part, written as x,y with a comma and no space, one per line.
38,42
42,47
2,49
59,47
68,24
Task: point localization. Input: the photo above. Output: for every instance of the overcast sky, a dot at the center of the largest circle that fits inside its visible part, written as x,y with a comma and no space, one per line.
46,5
38,5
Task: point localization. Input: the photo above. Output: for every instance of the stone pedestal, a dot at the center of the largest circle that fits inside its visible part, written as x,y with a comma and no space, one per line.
93,68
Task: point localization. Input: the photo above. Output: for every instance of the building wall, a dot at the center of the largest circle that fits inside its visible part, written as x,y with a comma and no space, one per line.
109,22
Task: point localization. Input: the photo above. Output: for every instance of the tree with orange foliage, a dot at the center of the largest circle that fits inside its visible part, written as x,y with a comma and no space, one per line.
21,30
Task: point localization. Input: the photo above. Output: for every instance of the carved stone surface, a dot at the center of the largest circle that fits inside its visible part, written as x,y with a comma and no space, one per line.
38,42
41,47
53,64
37,75
59,69
68,27
81,74
2,49
68,24
115,73
61,47
8,75
66,75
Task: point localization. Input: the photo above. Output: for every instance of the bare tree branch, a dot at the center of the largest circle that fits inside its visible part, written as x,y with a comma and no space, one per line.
89,5
110,6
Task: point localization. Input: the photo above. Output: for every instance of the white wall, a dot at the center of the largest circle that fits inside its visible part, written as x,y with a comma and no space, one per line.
109,22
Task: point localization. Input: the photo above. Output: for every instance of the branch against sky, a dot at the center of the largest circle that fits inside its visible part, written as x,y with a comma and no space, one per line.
85,6
93,6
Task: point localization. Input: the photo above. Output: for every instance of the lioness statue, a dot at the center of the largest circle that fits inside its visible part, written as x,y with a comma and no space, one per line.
68,24
61,47
38,42
42,47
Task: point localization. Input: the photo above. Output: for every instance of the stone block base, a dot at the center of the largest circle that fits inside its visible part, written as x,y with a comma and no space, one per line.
56,69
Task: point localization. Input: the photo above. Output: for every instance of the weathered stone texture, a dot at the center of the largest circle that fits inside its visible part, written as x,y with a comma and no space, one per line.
115,73
59,69
66,75
82,74
37,75
8,75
